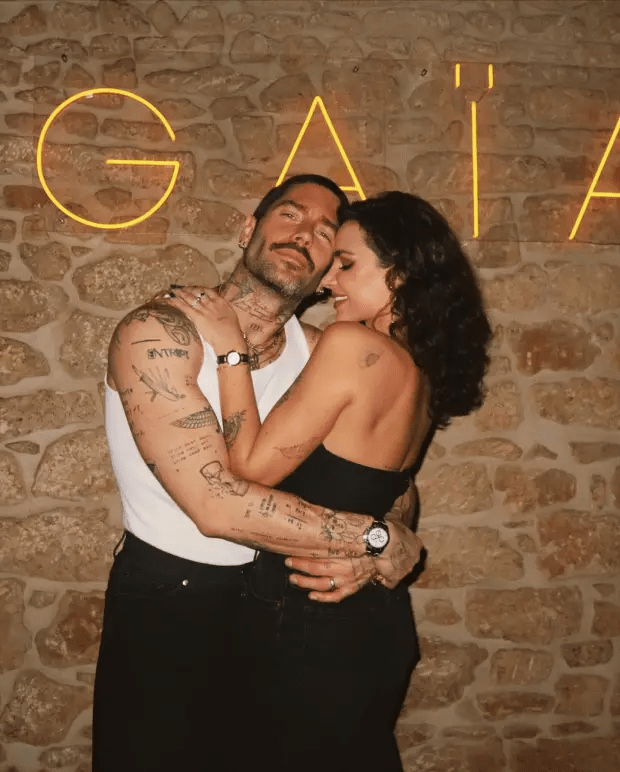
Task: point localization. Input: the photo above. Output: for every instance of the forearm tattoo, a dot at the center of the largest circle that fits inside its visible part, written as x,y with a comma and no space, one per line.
199,420
231,427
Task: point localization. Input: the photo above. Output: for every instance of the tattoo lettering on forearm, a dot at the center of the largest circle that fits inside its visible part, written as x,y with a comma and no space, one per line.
183,452
215,475
370,358
161,353
231,427
158,384
199,420
301,450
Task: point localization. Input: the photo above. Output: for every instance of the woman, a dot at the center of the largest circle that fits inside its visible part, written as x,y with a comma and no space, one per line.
331,679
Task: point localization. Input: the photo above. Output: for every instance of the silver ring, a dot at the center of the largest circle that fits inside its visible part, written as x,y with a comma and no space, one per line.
332,584
199,297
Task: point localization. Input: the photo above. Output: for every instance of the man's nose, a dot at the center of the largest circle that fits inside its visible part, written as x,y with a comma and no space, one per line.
303,235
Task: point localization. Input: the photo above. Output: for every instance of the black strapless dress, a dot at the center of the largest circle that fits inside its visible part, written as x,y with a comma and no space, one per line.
329,679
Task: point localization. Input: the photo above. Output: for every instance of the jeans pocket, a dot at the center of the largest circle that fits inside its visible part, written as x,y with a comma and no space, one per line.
130,580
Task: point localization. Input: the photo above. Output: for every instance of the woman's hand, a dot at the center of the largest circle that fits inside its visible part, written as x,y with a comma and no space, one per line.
214,317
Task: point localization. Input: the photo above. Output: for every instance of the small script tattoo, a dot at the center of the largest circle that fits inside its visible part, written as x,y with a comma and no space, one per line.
161,353
301,450
199,420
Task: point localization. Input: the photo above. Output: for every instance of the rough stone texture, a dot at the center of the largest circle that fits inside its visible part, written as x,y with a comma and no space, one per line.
26,305
44,409
606,619
589,452
75,466
473,756
458,557
460,490
581,755
16,640
588,653
440,611
499,705
578,543
502,408
40,710
209,219
73,636
544,614
526,489
580,695
85,348
12,486
442,674
593,402
64,545
555,345
494,447
236,81
520,667
18,360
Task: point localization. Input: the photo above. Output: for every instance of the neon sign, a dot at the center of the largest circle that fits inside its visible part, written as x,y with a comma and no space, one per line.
317,103
174,164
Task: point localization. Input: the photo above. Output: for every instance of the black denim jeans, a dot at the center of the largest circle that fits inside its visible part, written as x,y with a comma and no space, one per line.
168,679
328,680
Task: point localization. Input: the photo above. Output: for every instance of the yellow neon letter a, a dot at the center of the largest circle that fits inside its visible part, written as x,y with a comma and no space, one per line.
591,194
318,102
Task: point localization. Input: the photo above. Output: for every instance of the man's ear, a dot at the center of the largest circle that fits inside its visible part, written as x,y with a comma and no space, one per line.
247,231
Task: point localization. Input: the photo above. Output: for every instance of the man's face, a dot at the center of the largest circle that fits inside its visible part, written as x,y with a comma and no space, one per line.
291,247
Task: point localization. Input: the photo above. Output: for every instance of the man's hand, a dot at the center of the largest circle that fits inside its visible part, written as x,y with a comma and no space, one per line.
400,556
349,575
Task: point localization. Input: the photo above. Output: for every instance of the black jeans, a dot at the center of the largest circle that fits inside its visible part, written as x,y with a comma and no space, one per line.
328,680
168,678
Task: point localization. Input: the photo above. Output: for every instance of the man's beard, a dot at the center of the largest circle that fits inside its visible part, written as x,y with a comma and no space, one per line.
289,288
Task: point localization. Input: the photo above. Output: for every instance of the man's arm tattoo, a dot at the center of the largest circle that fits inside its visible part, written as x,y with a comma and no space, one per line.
199,420
158,384
231,427
214,473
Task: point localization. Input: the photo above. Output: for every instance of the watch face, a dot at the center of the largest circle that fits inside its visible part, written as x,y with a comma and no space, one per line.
377,537
233,358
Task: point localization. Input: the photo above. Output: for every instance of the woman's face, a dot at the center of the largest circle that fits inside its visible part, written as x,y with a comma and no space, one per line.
357,281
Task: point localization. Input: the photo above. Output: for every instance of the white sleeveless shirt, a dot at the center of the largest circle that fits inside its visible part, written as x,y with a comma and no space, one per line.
148,511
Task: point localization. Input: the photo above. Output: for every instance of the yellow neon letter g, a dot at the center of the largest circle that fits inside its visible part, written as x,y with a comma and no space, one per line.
174,164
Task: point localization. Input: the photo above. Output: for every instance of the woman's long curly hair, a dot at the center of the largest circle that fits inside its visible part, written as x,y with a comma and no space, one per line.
437,306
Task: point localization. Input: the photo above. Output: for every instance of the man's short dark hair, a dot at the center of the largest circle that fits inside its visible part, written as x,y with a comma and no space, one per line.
275,194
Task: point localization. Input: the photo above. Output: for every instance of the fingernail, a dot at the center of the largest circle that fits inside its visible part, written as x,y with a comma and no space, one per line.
293,580
177,286
288,563
171,295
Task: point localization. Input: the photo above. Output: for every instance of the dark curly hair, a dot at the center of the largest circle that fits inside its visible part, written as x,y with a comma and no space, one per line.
437,305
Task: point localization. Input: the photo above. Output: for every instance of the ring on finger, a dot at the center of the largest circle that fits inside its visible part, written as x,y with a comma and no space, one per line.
197,299
332,584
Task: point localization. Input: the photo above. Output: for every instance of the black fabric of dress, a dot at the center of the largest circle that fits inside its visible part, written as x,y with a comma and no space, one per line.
328,679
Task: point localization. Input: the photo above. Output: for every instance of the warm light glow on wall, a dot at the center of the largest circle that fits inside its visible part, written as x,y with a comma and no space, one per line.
175,165
601,194
318,102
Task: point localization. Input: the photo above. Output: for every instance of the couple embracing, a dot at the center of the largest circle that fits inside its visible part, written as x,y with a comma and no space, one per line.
256,615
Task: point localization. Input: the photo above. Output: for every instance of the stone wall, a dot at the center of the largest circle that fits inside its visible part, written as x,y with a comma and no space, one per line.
519,605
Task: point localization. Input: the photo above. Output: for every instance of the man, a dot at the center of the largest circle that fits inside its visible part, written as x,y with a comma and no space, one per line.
166,680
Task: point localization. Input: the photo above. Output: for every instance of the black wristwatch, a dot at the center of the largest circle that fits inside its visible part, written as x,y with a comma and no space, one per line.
233,358
376,537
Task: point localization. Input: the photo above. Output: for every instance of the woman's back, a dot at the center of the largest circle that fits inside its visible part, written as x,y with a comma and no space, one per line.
385,423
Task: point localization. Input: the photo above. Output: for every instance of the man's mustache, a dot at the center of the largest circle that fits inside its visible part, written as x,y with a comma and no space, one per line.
302,251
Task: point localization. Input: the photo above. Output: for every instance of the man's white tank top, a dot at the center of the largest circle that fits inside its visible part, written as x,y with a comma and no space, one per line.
148,511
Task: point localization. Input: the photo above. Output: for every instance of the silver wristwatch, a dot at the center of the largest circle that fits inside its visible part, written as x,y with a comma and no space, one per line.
376,537
233,358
